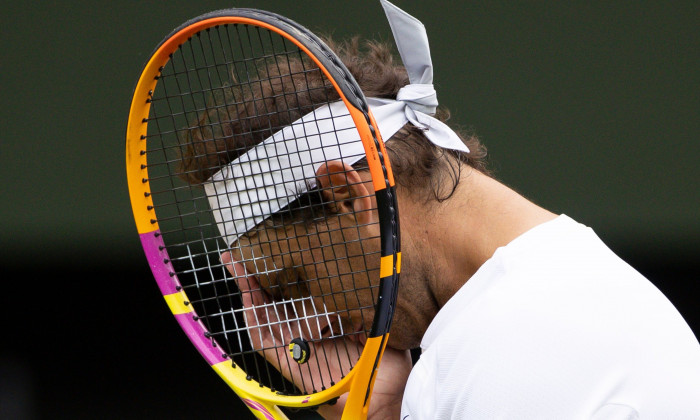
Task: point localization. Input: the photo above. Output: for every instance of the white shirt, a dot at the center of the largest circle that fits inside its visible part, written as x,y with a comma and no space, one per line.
556,326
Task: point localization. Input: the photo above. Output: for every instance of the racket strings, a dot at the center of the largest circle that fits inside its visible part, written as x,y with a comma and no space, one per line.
178,108
327,357
328,380
214,91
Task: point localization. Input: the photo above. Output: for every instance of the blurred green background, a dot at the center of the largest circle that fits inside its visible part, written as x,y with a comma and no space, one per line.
589,109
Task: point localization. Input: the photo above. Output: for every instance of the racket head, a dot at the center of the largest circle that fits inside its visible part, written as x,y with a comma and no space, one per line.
205,57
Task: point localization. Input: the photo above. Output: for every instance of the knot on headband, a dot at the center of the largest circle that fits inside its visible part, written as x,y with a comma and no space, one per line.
419,97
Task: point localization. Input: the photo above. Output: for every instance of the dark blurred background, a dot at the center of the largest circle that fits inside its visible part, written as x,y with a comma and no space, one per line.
590,109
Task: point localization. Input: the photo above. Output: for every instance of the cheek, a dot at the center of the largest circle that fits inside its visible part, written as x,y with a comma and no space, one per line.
344,271
402,333
336,263
268,256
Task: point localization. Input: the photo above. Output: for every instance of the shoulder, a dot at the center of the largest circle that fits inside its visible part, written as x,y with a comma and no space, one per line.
556,325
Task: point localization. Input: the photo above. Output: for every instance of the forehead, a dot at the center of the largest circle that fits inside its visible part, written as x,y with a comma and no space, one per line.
277,172
318,218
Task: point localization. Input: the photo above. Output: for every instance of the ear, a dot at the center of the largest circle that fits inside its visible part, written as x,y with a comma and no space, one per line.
343,188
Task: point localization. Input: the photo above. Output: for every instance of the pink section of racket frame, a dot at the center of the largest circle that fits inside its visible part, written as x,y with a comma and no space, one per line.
168,283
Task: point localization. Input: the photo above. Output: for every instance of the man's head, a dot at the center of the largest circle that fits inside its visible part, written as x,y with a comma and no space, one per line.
326,243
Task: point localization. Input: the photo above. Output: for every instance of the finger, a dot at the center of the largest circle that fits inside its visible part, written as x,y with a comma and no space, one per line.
278,316
251,292
254,301
262,311
272,324
317,322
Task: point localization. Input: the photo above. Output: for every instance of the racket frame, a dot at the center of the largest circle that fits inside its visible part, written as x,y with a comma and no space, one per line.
262,401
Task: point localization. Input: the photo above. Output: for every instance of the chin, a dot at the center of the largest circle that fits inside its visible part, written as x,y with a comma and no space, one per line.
399,340
404,333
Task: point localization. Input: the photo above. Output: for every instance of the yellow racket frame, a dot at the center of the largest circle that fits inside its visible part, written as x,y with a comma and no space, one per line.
262,401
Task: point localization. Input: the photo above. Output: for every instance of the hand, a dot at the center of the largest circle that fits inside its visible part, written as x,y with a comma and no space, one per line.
272,325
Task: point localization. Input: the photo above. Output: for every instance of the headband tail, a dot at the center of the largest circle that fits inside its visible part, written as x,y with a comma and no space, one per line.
412,42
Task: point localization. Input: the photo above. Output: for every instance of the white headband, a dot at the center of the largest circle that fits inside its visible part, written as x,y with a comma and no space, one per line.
278,170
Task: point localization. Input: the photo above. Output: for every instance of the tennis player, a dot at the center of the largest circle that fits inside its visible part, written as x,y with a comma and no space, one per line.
519,312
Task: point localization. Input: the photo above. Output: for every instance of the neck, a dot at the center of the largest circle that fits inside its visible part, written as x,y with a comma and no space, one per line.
466,230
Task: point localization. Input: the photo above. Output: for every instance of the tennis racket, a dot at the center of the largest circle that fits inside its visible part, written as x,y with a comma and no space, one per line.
295,311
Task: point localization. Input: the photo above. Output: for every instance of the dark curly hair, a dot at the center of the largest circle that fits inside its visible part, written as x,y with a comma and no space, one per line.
256,109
